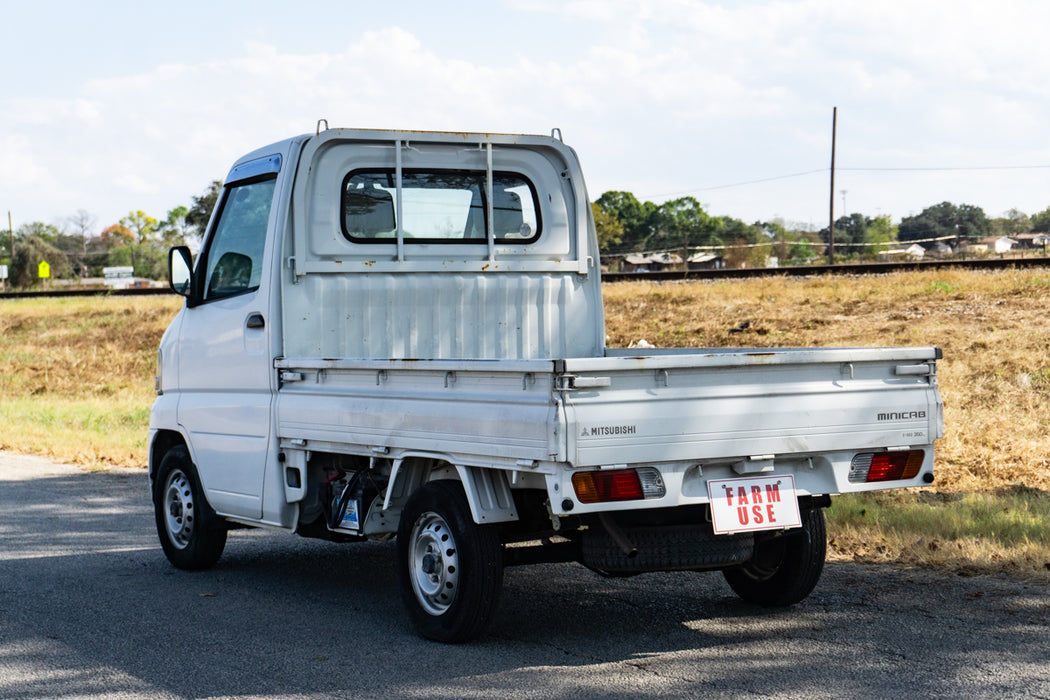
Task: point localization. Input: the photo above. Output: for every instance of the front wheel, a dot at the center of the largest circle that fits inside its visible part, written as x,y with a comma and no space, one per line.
785,569
450,567
191,535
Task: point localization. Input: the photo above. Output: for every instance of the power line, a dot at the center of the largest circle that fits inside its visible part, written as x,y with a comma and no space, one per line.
788,176
749,182
949,168
739,184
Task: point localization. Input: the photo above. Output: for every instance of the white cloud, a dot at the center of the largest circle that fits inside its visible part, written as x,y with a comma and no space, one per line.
657,95
18,167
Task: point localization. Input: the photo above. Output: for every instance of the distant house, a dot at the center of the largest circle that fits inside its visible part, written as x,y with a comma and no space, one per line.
635,262
994,244
1003,244
665,261
706,261
658,262
1032,240
940,249
911,252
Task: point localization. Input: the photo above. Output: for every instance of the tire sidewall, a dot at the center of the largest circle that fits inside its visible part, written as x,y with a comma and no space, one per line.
208,538
480,572
796,576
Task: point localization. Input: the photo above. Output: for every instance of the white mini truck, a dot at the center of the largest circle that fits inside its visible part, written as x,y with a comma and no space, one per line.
401,334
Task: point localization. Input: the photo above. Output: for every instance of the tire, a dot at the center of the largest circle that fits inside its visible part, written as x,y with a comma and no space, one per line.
785,569
191,535
450,568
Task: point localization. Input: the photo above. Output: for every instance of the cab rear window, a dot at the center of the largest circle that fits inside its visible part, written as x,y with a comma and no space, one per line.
438,206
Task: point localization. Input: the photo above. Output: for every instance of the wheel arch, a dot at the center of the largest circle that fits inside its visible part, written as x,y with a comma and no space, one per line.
163,441
487,490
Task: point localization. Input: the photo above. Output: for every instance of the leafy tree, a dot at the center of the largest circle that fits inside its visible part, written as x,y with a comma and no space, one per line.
1011,223
733,230
881,229
744,244
147,260
1041,221
850,234
682,223
44,232
971,222
144,227
792,246
858,236
175,229
35,243
200,212
636,217
136,242
610,230
117,235
945,220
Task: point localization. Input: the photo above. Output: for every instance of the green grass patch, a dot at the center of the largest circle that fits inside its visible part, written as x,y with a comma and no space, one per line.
1015,517
939,287
983,532
93,432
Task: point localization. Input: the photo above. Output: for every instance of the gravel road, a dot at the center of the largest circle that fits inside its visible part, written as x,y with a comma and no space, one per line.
90,608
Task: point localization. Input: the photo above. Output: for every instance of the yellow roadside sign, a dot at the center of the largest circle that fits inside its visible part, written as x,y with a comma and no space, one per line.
44,271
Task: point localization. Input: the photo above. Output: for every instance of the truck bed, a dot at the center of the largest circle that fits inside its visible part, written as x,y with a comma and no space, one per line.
700,412
725,403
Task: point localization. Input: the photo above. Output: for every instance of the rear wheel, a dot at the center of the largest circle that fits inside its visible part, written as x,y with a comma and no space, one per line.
450,567
785,569
191,535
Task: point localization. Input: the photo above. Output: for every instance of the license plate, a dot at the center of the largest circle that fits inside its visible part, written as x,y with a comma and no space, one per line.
753,503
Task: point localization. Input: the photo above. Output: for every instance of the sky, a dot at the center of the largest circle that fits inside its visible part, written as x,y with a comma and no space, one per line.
113,107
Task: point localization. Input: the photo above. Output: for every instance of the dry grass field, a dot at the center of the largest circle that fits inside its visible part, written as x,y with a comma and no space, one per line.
994,328
990,507
76,383
76,376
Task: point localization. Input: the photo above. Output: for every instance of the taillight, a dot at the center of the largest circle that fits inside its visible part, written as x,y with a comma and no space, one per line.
618,485
885,466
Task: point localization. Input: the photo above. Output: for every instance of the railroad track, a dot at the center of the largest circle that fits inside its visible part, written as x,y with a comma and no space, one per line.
670,275
816,270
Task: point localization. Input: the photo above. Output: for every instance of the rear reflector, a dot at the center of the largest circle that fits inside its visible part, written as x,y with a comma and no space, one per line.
618,485
885,466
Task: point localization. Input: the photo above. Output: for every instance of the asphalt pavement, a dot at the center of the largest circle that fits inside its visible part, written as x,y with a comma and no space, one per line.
90,608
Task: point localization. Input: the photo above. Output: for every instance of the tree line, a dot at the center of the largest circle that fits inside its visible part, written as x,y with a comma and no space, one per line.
76,249
625,225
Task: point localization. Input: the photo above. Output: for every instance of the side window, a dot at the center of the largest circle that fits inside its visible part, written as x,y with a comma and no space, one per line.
439,206
235,253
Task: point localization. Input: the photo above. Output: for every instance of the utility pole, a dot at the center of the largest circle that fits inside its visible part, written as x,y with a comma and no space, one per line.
831,205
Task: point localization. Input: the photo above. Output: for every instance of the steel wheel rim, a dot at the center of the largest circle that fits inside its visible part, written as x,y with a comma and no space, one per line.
179,512
433,563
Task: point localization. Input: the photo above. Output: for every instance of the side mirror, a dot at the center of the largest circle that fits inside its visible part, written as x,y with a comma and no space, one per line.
180,272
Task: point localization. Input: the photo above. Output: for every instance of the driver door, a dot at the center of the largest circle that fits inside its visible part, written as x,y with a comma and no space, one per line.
226,365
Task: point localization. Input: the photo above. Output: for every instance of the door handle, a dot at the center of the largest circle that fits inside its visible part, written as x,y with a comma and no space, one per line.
255,321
